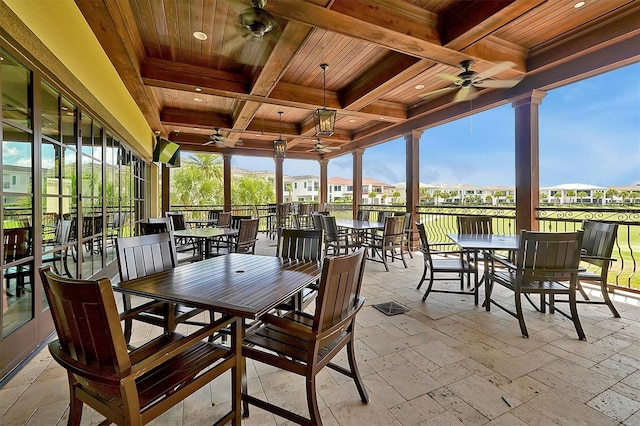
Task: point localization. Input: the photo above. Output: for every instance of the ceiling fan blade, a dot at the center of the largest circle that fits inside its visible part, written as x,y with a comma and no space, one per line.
436,92
449,77
465,94
496,69
498,83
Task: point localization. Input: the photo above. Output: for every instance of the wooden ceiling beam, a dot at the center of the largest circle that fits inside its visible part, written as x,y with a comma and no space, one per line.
202,119
185,77
464,23
376,26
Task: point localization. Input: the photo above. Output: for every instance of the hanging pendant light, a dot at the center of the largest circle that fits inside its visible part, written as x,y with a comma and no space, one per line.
324,119
280,145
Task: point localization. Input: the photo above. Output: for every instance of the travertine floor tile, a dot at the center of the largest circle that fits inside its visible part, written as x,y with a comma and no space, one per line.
614,405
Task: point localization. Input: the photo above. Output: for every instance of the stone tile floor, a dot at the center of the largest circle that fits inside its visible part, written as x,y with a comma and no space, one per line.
445,362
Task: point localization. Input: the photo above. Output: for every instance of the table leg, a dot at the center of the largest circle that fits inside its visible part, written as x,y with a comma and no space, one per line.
237,372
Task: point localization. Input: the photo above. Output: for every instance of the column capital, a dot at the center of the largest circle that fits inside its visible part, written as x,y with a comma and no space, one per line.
414,134
226,156
358,151
278,160
533,97
323,162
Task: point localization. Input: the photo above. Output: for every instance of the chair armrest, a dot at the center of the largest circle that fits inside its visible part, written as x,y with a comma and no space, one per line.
587,258
103,374
160,353
286,324
503,261
134,312
340,325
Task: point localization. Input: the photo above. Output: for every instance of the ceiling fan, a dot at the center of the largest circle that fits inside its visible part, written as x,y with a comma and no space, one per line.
467,81
220,140
320,147
258,25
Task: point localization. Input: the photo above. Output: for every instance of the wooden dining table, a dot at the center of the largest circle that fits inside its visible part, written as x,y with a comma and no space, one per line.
239,286
206,236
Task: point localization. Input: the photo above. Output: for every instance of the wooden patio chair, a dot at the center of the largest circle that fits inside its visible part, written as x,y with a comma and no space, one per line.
597,246
455,262
17,246
391,242
133,387
545,262
335,240
301,244
480,225
141,256
247,236
303,344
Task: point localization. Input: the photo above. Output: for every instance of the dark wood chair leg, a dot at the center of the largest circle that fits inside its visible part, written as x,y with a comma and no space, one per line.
574,316
351,356
520,315
608,301
312,401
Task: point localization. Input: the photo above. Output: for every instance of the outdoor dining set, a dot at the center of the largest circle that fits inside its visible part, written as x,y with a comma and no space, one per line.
260,307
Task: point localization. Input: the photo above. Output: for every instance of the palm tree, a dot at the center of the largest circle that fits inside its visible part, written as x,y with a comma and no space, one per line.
570,194
624,195
210,164
498,194
372,195
582,195
252,190
384,197
610,194
634,196
488,199
396,194
557,195
289,188
598,195
437,194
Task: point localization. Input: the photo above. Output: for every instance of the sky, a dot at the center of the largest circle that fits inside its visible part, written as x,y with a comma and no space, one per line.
589,133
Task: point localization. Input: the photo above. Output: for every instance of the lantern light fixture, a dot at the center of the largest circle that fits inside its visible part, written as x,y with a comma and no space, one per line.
323,118
280,145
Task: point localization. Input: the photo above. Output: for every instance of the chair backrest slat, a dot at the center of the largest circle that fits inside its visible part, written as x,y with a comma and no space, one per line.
599,239
393,229
424,242
145,254
330,228
339,289
549,255
317,221
156,226
87,321
301,244
178,221
481,225
224,220
247,235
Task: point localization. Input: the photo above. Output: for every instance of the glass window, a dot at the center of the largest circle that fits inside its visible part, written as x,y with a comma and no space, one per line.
15,80
50,112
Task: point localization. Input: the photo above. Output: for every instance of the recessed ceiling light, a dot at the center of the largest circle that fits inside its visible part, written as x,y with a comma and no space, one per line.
352,121
196,128
197,99
200,35
382,118
579,4
198,89
420,87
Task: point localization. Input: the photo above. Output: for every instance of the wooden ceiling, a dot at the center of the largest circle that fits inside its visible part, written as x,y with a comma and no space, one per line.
382,55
